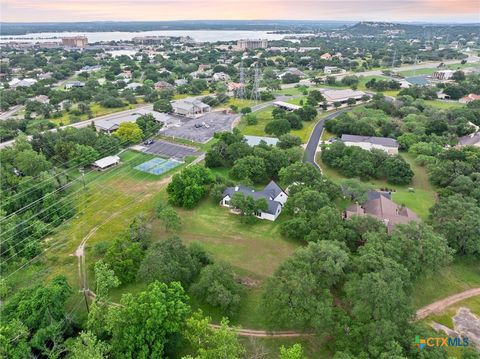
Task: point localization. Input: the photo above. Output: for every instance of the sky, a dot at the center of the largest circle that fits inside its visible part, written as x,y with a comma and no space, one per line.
131,10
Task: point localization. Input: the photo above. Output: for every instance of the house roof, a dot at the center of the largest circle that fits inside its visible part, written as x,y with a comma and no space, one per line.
470,97
106,161
382,141
382,208
269,193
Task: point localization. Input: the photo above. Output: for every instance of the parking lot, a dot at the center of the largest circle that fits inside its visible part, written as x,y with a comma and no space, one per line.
168,149
214,122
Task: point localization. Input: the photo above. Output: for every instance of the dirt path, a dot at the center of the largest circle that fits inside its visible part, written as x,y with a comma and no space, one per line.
441,304
264,333
80,251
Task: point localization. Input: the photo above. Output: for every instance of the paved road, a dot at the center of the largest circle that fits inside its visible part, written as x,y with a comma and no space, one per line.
88,122
7,114
314,139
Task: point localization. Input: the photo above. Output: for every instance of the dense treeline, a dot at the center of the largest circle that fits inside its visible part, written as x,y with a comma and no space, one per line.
354,161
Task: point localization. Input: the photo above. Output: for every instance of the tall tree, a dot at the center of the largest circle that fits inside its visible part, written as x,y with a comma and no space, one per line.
298,295
142,325
212,343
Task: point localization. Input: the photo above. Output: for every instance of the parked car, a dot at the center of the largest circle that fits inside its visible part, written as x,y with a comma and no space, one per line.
198,125
148,142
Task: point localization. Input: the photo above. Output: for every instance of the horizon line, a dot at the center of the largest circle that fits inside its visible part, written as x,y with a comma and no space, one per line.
243,20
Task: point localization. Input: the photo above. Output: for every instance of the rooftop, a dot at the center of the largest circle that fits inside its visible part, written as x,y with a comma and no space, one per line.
269,193
382,208
382,141
341,95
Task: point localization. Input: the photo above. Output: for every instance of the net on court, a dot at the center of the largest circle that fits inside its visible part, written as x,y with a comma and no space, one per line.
157,166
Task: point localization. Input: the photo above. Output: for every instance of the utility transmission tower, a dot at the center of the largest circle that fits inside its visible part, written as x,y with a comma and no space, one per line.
415,63
394,56
241,89
256,85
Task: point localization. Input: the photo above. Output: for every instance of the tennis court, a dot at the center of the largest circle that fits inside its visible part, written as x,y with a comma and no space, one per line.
157,166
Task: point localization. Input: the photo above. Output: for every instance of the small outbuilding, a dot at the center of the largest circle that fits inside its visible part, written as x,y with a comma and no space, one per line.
106,162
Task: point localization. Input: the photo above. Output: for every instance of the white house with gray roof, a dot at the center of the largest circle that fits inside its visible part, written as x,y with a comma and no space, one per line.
272,193
388,145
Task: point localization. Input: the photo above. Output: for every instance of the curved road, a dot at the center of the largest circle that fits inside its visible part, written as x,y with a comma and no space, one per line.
314,140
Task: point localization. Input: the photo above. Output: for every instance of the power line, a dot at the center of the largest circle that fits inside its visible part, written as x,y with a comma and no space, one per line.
38,185
122,175
52,246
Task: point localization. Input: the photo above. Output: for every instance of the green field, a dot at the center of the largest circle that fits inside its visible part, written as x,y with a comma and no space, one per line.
418,72
364,79
444,104
292,91
111,199
265,115
419,201
462,274
97,110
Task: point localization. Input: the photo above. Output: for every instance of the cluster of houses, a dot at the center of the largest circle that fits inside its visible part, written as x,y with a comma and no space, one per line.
378,205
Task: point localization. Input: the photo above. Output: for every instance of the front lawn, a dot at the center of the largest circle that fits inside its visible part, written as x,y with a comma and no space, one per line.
419,200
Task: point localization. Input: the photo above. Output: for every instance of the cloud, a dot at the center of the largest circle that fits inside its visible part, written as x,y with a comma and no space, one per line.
388,10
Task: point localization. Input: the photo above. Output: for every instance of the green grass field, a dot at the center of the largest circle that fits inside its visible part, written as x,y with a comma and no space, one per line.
418,72
462,274
444,104
364,79
97,110
111,199
292,91
419,201
265,115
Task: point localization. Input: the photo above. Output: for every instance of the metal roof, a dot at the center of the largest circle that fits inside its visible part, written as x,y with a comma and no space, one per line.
106,161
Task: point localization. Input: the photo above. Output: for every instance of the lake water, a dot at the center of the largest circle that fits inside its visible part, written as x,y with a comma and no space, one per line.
197,35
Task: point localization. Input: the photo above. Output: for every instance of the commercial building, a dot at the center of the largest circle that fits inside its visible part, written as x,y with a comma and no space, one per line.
112,123
150,40
342,96
190,107
248,44
75,41
388,145
443,74
272,193
286,106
